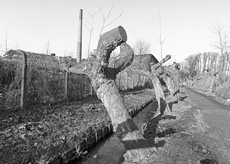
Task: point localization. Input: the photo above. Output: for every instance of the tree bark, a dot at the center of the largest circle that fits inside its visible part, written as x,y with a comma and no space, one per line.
123,125
162,105
126,81
103,83
174,70
170,85
177,90
212,84
156,70
213,78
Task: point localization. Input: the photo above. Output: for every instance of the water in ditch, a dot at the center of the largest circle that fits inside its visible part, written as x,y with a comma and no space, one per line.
111,150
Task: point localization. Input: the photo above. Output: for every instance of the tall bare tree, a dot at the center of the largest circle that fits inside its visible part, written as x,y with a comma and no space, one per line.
161,41
90,25
105,18
222,44
191,65
47,48
7,43
141,47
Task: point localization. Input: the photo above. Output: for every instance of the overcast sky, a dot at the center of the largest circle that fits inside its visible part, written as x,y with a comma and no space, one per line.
30,24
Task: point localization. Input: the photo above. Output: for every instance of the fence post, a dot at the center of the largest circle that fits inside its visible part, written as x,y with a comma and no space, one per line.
24,79
66,85
126,81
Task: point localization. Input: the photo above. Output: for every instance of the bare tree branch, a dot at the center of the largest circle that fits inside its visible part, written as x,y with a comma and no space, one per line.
92,27
160,37
47,48
87,27
85,44
109,12
222,44
114,20
164,39
92,15
102,13
7,42
105,19
87,22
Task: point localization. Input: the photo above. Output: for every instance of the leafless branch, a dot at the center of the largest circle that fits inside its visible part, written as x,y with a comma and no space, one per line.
87,22
160,37
85,44
113,20
87,27
92,27
164,40
7,42
105,19
92,15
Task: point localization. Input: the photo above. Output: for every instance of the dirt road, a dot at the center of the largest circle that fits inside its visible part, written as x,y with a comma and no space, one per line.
196,132
214,122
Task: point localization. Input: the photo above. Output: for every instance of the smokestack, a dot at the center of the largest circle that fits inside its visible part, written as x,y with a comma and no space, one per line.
79,43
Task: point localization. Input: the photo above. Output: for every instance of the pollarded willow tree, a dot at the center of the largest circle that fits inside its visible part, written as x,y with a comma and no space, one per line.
150,67
103,73
172,80
153,71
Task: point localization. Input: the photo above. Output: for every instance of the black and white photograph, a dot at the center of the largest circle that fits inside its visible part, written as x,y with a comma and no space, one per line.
114,81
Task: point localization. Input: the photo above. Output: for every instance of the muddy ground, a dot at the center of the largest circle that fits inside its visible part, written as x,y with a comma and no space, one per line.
39,134
196,132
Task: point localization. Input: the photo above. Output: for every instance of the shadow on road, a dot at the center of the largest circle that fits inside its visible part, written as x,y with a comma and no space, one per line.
152,131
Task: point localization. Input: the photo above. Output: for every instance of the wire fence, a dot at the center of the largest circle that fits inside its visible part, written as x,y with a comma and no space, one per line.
34,79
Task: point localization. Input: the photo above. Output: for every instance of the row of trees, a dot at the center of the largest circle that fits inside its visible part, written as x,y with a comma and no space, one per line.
214,63
197,64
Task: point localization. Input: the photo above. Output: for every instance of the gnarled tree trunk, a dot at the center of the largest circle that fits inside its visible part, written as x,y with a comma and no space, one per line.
174,76
103,74
156,71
